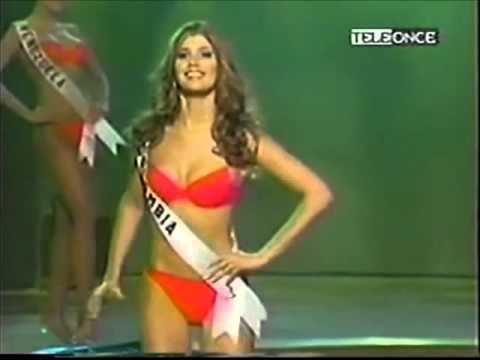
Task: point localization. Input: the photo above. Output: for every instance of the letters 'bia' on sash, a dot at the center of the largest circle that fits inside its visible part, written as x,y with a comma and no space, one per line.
72,94
235,301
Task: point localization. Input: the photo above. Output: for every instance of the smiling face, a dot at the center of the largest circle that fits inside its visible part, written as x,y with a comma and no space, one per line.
196,66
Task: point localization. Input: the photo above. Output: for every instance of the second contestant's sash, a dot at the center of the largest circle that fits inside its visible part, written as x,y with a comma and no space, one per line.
235,301
72,94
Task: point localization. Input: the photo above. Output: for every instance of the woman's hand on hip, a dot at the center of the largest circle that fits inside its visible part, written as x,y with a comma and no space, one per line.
235,263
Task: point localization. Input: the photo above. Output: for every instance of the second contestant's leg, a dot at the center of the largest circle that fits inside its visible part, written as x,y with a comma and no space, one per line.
58,284
73,180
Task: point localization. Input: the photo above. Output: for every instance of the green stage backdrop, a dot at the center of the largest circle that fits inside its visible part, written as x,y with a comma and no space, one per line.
391,129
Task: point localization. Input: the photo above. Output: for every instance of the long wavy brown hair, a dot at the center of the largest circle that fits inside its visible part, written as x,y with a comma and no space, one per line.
235,129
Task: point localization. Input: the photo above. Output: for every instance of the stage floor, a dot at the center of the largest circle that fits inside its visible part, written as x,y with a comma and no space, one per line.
308,315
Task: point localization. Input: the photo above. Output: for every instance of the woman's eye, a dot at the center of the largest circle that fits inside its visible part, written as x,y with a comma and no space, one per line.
207,54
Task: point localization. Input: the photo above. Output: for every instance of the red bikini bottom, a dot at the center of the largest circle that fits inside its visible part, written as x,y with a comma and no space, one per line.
70,132
194,298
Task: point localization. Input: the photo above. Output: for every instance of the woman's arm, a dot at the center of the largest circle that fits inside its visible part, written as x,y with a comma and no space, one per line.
316,197
9,47
102,90
129,216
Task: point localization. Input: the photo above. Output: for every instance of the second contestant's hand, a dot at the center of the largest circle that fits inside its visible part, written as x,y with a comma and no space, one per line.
38,116
95,114
232,264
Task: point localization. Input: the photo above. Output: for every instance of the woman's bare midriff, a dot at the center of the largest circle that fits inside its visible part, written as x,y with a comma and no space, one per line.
51,103
211,225
54,109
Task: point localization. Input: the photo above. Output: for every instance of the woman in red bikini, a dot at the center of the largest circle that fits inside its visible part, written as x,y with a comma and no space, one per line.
202,142
58,129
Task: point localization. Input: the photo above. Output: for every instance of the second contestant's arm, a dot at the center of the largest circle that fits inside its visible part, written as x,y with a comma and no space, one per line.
129,215
9,47
102,89
103,86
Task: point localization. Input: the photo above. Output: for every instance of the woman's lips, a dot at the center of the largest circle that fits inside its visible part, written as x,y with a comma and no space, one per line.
194,74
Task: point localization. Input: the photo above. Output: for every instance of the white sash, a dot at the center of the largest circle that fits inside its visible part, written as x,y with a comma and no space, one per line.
67,88
235,301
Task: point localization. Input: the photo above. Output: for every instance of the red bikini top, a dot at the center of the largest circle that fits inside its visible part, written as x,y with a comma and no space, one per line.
66,55
218,188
